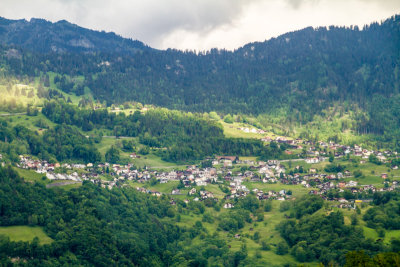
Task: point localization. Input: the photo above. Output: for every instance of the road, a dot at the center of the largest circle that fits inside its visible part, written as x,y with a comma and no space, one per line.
61,184
12,114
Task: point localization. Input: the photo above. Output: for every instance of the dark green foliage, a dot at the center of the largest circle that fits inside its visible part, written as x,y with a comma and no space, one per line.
360,258
334,168
250,203
68,143
206,164
265,246
128,145
44,36
358,174
282,248
82,220
186,136
234,220
112,155
301,73
373,159
385,216
285,206
92,226
268,206
308,204
324,238
228,118
59,143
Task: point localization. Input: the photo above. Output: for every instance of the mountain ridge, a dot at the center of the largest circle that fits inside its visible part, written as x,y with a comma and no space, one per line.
298,75
62,36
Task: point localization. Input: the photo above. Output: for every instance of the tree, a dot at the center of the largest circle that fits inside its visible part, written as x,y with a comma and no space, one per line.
282,248
354,219
267,206
112,155
228,118
284,206
373,159
206,164
358,258
358,173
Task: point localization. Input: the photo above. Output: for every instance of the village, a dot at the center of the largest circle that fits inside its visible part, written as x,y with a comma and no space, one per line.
230,172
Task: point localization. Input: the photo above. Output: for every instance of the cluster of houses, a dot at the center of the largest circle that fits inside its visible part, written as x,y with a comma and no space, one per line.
251,130
221,171
316,150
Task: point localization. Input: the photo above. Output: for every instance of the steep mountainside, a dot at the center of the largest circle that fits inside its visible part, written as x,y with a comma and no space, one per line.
62,36
299,74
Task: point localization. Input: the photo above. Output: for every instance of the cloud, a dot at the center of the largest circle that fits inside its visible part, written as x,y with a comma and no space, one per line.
202,24
296,4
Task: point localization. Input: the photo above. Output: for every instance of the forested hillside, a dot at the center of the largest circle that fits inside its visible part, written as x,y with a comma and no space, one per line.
44,36
297,75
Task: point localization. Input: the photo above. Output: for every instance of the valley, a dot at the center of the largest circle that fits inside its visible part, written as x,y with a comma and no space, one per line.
279,153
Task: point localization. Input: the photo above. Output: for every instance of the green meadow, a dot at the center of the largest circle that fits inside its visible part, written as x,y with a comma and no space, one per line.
25,233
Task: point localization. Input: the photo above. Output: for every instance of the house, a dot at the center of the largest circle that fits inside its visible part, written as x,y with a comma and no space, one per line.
176,192
312,160
192,191
228,206
163,180
266,139
381,158
351,184
227,163
384,176
231,158
133,156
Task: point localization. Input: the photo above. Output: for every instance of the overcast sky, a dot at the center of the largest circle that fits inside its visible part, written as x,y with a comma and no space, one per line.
202,24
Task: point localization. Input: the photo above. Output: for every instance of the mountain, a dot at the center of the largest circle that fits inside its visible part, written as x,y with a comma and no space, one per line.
296,76
43,36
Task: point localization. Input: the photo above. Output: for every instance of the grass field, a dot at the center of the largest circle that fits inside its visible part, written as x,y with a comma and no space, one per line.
297,190
32,176
29,121
25,233
266,229
231,130
156,162
152,161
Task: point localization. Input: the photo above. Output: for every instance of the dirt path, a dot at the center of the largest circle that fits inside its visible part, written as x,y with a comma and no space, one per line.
61,184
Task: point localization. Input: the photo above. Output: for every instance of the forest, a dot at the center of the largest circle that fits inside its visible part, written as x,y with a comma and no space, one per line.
175,136
289,81
297,75
93,226
185,136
